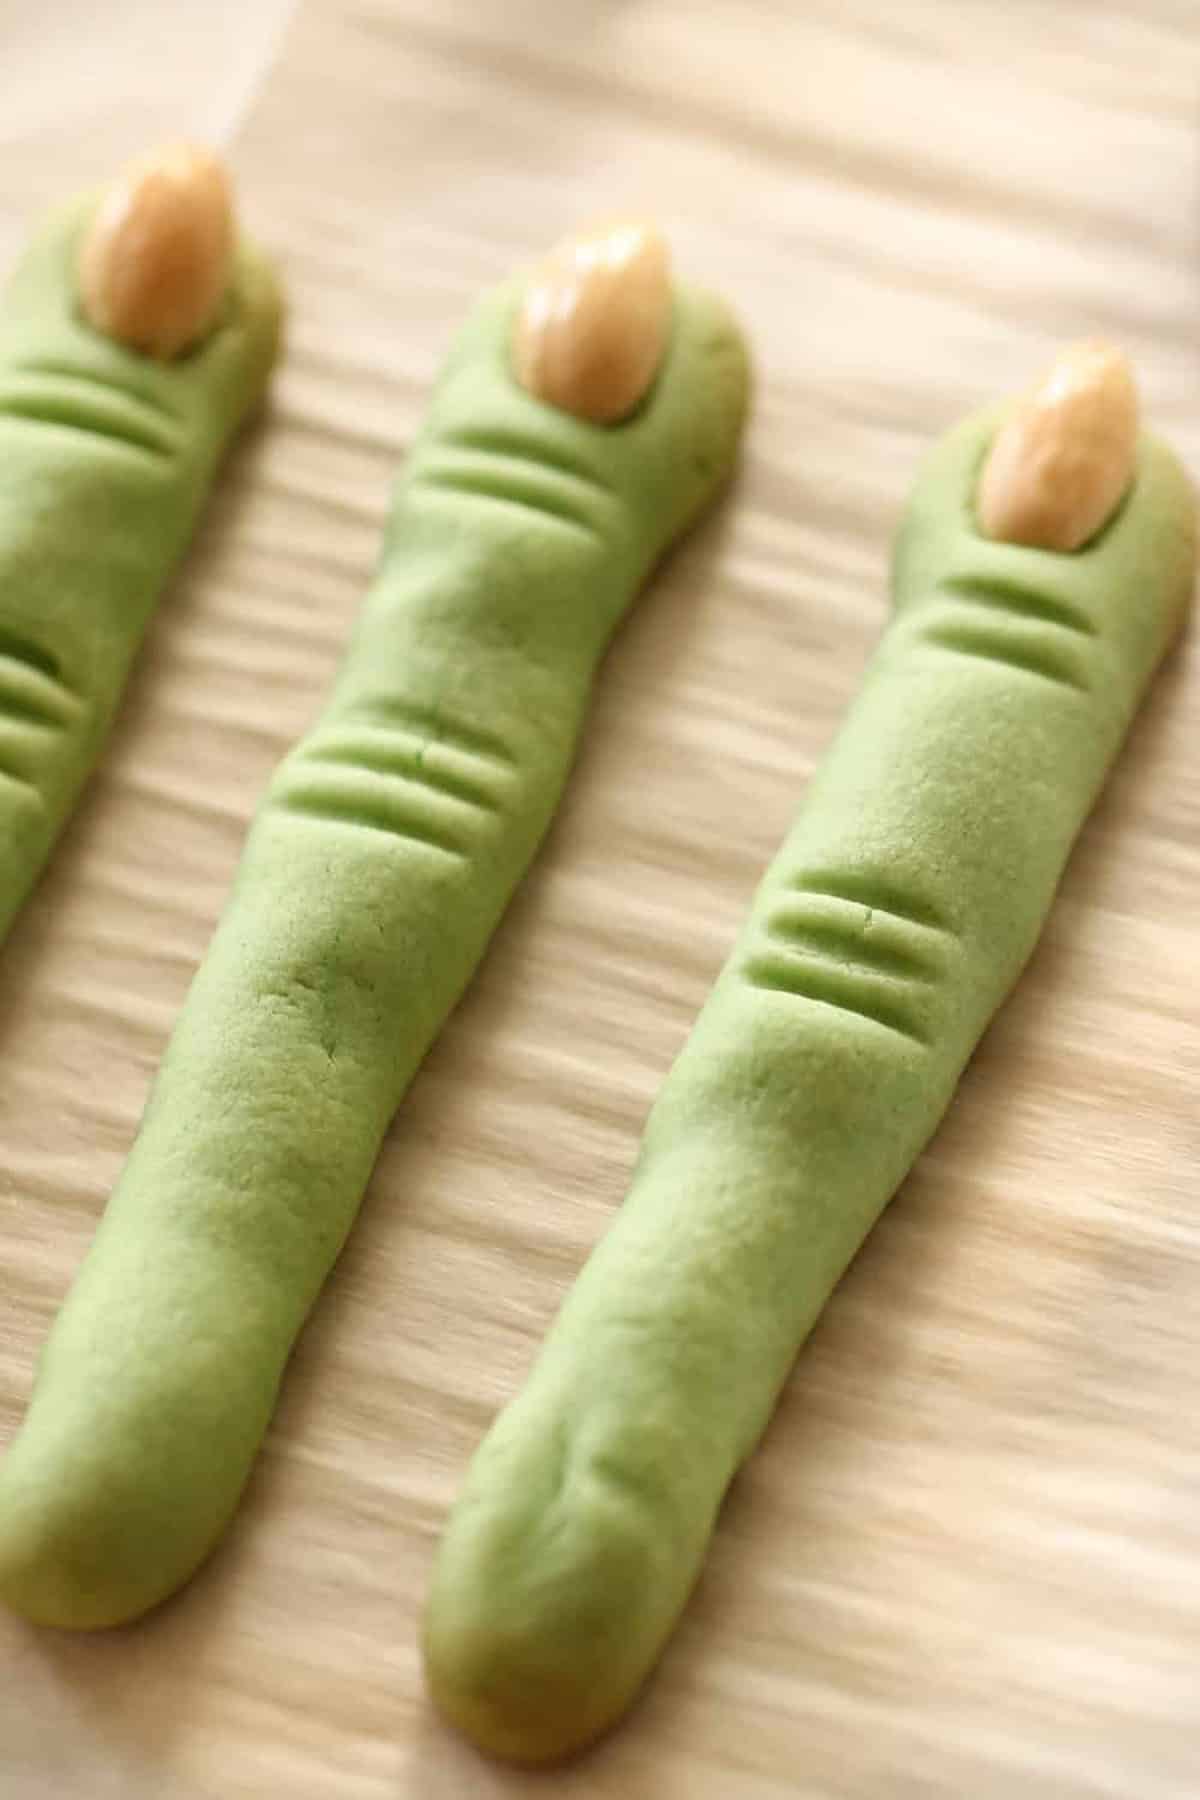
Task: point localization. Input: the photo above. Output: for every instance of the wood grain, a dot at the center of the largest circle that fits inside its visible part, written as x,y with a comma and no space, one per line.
966,1561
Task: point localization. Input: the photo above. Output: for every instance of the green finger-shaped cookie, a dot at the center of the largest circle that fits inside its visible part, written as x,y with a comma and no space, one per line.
895,918
381,859
107,458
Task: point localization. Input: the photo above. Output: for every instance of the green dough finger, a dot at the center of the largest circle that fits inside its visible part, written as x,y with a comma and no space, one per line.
895,918
107,459
380,861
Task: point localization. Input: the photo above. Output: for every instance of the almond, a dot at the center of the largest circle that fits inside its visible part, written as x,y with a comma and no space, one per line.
155,263
1061,465
593,326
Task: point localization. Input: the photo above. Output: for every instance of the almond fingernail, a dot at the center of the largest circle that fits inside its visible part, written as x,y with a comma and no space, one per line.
156,260
591,332
1061,465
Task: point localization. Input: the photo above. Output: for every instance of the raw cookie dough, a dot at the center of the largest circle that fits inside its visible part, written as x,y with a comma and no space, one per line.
895,918
108,457
384,853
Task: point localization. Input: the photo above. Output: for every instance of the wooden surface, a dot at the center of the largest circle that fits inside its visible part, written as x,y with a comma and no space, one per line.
966,1563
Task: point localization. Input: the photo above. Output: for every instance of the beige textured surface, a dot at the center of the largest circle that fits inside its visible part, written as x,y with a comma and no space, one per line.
966,1562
